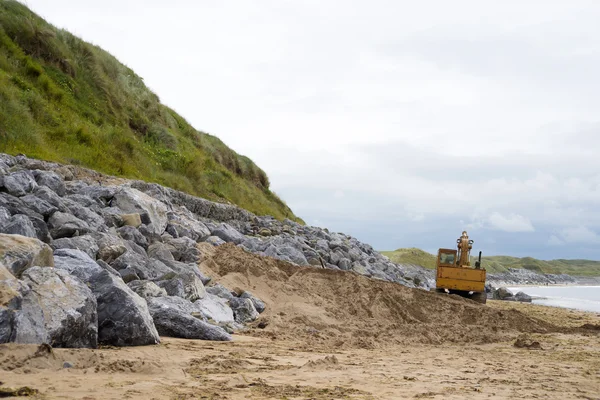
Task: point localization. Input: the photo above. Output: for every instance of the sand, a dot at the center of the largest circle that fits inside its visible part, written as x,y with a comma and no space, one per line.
336,335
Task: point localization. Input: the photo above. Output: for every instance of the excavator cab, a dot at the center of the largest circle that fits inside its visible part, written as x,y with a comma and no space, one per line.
455,275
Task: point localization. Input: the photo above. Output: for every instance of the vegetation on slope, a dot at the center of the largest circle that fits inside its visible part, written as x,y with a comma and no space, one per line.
66,100
496,264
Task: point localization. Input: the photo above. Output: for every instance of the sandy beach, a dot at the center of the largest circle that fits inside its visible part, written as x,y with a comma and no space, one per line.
335,335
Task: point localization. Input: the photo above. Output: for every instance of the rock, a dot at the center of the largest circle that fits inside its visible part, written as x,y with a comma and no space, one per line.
259,305
38,205
345,264
243,310
128,275
146,289
77,263
265,232
182,305
131,219
186,285
68,306
51,180
130,233
503,294
85,243
4,216
185,224
523,297
220,291
50,197
123,316
110,253
20,183
41,229
66,225
19,225
215,240
144,267
293,254
18,253
228,234
172,322
215,308
185,250
161,251
21,319
67,364
133,201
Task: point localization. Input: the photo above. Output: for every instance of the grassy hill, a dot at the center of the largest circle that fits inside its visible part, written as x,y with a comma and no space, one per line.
502,263
65,100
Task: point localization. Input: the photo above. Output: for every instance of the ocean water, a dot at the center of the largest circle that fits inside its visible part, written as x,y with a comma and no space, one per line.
586,298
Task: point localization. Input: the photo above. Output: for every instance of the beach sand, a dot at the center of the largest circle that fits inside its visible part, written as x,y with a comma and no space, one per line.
335,335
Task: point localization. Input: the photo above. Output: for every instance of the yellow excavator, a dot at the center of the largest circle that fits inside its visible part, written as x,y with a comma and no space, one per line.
455,275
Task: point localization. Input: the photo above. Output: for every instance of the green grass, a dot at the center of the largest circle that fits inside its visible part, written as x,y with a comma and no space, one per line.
495,264
65,100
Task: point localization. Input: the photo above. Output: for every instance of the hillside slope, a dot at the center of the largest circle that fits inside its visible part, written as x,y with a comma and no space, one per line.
497,264
65,100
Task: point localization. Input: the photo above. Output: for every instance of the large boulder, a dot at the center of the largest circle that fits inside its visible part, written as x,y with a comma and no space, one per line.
142,266
227,233
503,294
128,232
243,310
215,308
123,316
523,297
18,253
133,201
38,205
19,225
293,254
171,321
85,243
220,291
21,318
66,225
185,250
68,306
186,285
259,305
77,263
147,289
51,180
20,183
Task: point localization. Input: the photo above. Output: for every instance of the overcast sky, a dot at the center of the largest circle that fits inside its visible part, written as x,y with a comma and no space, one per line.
399,122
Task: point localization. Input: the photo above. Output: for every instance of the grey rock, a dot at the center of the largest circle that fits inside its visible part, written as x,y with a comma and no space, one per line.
146,289
41,229
293,254
130,233
4,216
182,305
19,253
186,285
215,240
345,264
503,294
185,250
50,197
220,291
19,225
38,205
523,297
123,316
161,251
67,364
85,243
66,225
132,200
175,323
20,183
259,305
68,306
243,310
77,263
144,267
215,309
228,234
22,321
128,275
51,180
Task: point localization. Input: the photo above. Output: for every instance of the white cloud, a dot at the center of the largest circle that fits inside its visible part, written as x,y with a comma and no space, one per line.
510,223
579,235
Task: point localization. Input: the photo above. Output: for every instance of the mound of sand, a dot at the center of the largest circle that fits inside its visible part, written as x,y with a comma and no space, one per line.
325,308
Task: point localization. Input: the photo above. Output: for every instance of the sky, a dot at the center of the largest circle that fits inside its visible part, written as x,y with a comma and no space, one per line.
401,123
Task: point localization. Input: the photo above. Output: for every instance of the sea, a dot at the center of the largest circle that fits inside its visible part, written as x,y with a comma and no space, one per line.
585,298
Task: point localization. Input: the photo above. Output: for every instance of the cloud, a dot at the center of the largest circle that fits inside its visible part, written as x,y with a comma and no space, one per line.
510,223
579,235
